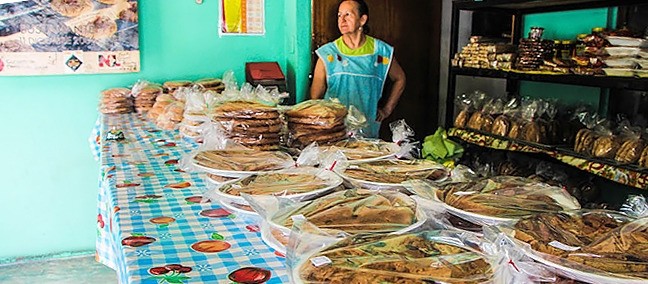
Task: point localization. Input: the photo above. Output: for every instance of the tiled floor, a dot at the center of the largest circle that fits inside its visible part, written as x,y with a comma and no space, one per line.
79,269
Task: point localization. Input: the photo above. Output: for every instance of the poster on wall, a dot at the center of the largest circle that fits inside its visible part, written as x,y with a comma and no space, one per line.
52,37
242,17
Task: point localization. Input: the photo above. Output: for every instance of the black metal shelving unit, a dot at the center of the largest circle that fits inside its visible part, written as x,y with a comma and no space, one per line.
516,9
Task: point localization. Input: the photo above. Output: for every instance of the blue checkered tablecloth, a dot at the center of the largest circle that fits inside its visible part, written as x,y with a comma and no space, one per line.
136,205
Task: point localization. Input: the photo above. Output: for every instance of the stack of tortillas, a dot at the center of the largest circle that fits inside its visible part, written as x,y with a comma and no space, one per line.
116,100
320,121
144,97
250,124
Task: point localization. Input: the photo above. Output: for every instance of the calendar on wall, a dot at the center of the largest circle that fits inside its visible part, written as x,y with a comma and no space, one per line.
53,37
242,17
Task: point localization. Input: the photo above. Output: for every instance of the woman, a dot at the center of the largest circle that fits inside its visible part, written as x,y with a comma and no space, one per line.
354,67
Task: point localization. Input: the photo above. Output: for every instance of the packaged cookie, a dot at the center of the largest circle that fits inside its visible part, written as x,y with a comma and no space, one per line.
503,123
631,147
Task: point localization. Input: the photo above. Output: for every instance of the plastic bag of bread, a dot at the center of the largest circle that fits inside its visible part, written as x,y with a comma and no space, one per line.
502,123
595,246
498,199
422,256
585,137
171,86
607,144
340,213
465,106
631,147
534,129
553,136
476,118
144,94
491,110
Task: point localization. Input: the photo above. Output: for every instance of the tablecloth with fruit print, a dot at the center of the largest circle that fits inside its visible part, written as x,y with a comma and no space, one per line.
151,224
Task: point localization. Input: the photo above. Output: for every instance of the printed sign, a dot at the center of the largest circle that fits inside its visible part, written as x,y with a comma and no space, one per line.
47,37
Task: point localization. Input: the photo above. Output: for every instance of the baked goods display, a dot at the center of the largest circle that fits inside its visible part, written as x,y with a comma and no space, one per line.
485,53
503,197
352,211
358,150
161,103
224,162
425,257
172,116
393,172
115,101
293,183
171,86
250,124
320,121
601,245
211,84
144,97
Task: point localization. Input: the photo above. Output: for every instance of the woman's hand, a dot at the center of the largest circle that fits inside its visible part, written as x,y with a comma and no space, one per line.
383,113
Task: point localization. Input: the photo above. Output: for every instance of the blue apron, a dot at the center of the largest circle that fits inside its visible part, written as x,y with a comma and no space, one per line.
357,80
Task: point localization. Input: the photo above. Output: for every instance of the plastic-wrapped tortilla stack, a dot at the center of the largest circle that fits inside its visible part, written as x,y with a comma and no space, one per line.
171,86
115,101
211,84
320,121
144,98
393,172
250,124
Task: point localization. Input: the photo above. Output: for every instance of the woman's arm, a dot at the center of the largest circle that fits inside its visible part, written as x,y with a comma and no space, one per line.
397,75
318,87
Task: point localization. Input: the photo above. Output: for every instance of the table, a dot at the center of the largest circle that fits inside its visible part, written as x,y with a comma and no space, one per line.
151,226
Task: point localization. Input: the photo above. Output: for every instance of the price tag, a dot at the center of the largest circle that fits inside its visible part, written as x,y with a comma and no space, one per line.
320,261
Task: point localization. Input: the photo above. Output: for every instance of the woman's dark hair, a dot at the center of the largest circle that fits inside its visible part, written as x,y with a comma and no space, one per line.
364,10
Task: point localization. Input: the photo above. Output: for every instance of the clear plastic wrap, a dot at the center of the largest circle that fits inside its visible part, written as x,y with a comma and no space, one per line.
241,162
491,110
403,136
297,184
144,94
171,116
391,173
430,256
355,122
594,246
364,149
489,201
475,121
321,121
502,123
510,263
341,213
115,101
631,146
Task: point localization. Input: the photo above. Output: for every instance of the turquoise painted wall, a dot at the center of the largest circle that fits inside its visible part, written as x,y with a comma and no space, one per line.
48,196
566,25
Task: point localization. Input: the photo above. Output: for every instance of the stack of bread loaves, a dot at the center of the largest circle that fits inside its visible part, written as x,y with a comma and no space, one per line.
250,124
320,121
116,100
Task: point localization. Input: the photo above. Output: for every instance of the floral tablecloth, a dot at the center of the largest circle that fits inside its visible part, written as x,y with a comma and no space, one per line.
151,225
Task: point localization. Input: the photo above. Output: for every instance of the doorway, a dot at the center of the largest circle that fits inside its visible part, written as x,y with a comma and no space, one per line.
413,27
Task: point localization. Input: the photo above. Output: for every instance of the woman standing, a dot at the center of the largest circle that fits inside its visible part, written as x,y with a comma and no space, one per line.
354,67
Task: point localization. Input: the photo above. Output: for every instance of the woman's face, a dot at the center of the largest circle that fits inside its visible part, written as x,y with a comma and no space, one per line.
349,19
